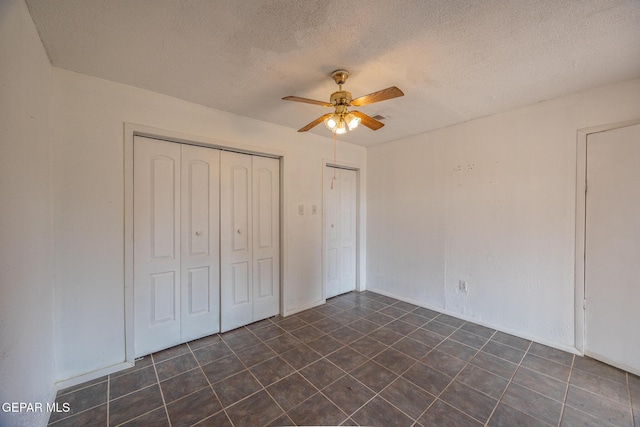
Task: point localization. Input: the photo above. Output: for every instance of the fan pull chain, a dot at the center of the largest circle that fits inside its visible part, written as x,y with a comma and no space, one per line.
334,160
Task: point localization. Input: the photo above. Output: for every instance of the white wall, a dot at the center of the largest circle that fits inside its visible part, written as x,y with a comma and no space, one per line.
492,202
26,291
88,122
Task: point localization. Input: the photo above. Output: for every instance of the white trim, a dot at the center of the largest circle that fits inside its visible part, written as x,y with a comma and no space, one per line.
130,131
457,315
341,164
185,138
129,348
70,382
581,200
304,307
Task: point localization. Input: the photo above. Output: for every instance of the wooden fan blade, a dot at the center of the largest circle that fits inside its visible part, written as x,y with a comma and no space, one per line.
368,121
307,101
381,95
314,123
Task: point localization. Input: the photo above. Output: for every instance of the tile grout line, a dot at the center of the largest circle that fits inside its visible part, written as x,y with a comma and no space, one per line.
489,339
607,380
325,356
505,389
320,391
562,403
58,422
164,402
458,374
135,391
566,392
508,384
287,376
600,396
379,394
223,379
453,378
189,370
263,388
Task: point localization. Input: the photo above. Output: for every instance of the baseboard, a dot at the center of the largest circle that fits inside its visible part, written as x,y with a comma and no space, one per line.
89,376
539,340
304,307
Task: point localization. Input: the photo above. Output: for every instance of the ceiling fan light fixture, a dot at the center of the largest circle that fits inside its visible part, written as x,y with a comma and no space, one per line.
331,122
341,127
352,121
341,123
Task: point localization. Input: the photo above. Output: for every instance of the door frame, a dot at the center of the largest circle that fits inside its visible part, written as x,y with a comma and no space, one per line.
131,130
360,222
580,231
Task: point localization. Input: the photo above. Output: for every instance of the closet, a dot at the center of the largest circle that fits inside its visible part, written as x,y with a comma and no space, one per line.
340,204
195,240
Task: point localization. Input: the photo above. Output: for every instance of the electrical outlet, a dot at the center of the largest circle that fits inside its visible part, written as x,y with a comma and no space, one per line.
462,285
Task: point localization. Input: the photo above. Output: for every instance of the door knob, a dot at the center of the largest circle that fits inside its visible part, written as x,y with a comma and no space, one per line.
239,231
198,233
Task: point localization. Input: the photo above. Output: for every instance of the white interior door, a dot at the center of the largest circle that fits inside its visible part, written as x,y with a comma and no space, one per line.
200,255
331,231
156,245
266,237
347,230
236,290
613,247
340,196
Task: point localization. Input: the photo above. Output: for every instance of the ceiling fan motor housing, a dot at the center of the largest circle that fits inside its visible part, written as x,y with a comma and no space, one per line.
342,97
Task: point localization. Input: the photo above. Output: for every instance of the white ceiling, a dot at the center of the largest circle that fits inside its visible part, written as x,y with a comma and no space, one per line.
455,60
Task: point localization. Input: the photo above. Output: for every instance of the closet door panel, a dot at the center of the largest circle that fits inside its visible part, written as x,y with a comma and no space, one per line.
163,298
199,297
200,290
265,272
266,237
240,202
240,285
235,240
156,245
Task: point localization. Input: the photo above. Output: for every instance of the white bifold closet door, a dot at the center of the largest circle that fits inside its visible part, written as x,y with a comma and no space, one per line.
340,203
176,243
250,239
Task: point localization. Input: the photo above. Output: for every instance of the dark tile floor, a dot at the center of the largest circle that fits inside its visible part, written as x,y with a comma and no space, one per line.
361,359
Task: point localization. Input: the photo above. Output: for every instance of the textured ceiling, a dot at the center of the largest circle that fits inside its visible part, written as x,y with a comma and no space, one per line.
455,60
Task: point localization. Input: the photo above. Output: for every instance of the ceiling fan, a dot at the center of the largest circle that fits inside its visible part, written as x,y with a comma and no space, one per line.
342,119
